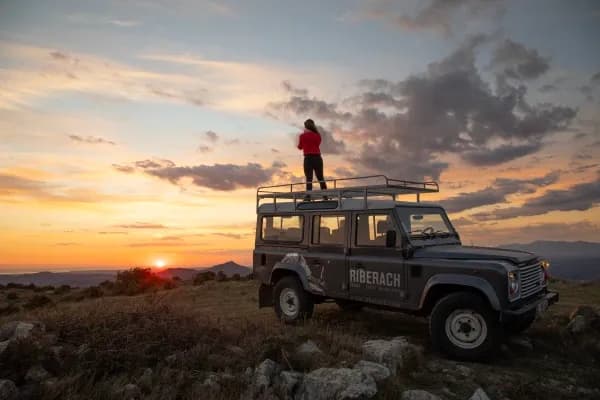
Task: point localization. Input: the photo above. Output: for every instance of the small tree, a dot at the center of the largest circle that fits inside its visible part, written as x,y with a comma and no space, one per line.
236,277
202,277
221,277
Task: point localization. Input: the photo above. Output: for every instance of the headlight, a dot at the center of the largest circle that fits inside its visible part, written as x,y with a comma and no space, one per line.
545,264
544,275
514,287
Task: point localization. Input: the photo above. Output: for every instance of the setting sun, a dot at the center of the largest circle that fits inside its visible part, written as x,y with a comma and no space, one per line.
159,263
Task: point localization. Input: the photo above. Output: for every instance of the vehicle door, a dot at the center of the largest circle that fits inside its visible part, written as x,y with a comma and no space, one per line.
376,273
326,256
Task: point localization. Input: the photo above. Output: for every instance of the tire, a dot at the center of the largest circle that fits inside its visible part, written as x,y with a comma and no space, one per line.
519,324
348,305
463,326
292,303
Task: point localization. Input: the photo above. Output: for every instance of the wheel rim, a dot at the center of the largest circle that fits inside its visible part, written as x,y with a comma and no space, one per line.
289,302
466,329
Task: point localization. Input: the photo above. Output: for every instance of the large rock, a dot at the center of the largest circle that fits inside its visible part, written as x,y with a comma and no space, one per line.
308,349
395,354
336,384
4,346
288,382
583,318
577,324
131,392
479,395
8,390
418,395
36,374
377,371
265,374
20,330
146,380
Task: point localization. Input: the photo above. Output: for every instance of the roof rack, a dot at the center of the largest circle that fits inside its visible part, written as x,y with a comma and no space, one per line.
363,187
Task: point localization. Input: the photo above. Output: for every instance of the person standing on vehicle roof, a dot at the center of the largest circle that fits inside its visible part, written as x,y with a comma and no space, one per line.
309,143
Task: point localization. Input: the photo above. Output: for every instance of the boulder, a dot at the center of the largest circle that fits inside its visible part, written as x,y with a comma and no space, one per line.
24,330
308,349
36,374
7,330
264,374
4,346
395,354
586,311
418,395
522,342
288,382
8,390
145,381
479,395
378,372
336,383
131,392
211,384
577,325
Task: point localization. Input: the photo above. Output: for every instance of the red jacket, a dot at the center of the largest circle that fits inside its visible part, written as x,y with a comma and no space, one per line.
309,142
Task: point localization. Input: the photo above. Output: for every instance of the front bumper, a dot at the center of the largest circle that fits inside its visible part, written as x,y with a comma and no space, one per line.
548,298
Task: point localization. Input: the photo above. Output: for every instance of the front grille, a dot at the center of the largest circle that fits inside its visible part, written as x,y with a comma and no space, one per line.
531,279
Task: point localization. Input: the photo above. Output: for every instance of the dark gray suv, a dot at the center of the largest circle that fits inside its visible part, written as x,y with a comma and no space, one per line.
357,245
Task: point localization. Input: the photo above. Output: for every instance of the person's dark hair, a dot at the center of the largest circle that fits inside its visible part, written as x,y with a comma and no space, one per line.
310,125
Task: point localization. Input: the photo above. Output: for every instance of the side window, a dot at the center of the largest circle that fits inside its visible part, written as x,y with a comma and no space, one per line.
282,228
371,229
329,229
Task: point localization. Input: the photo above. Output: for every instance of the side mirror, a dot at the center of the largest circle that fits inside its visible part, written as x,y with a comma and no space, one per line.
390,239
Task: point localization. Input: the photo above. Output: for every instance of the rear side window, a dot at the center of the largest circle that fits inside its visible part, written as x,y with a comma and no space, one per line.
286,228
371,229
329,229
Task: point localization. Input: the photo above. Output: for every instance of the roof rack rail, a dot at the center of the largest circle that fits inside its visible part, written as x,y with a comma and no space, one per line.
346,188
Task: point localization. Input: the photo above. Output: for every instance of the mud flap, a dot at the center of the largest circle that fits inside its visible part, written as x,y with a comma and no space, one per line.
265,296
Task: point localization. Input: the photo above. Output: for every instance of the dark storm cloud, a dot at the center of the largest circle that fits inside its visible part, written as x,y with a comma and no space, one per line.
579,197
218,176
517,61
437,15
90,140
497,192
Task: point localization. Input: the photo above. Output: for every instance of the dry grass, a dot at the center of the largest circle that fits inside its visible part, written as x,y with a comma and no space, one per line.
185,333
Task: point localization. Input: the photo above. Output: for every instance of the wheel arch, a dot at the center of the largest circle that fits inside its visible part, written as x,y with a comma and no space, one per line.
439,286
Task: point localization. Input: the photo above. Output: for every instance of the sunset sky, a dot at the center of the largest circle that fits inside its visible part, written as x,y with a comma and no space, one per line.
135,131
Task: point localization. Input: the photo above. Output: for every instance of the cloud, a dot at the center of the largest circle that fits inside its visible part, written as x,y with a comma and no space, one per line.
12,184
579,197
441,16
514,60
497,192
224,177
91,140
595,78
155,163
128,169
211,136
406,128
204,149
142,225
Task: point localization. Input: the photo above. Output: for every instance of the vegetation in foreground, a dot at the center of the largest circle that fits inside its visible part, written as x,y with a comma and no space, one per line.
168,342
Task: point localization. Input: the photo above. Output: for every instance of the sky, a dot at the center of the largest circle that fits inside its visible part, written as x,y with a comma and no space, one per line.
136,131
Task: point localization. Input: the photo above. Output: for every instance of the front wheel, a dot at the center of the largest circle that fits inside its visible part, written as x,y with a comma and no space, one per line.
462,325
292,302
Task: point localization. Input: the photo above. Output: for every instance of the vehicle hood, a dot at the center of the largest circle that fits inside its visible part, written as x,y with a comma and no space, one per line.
458,252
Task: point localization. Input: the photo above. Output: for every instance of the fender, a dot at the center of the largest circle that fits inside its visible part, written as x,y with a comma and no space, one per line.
296,268
462,280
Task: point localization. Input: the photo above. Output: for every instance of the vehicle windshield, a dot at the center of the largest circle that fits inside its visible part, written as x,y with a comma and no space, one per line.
425,222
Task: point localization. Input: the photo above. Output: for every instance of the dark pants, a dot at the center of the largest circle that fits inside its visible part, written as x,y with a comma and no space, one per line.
314,162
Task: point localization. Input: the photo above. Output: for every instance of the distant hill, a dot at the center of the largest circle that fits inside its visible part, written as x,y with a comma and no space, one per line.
92,278
568,260
230,268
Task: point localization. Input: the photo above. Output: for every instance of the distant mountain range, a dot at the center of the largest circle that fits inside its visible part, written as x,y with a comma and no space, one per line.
568,260
92,278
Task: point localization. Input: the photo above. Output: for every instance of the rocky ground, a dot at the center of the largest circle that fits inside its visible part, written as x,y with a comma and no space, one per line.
211,342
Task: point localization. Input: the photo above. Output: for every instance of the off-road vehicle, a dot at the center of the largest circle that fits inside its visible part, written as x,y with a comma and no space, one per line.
358,245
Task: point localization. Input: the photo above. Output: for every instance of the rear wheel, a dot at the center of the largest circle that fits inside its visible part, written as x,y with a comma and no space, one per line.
292,303
462,325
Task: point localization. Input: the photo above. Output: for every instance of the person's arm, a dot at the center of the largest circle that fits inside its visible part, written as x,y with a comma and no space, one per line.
300,142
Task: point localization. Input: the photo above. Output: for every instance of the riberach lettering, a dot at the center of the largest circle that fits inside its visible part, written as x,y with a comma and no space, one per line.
366,277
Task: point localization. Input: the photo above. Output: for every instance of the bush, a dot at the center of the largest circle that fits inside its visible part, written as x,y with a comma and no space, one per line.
108,285
12,296
236,277
93,292
221,277
12,285
202,277
138,280
39,300
62,289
